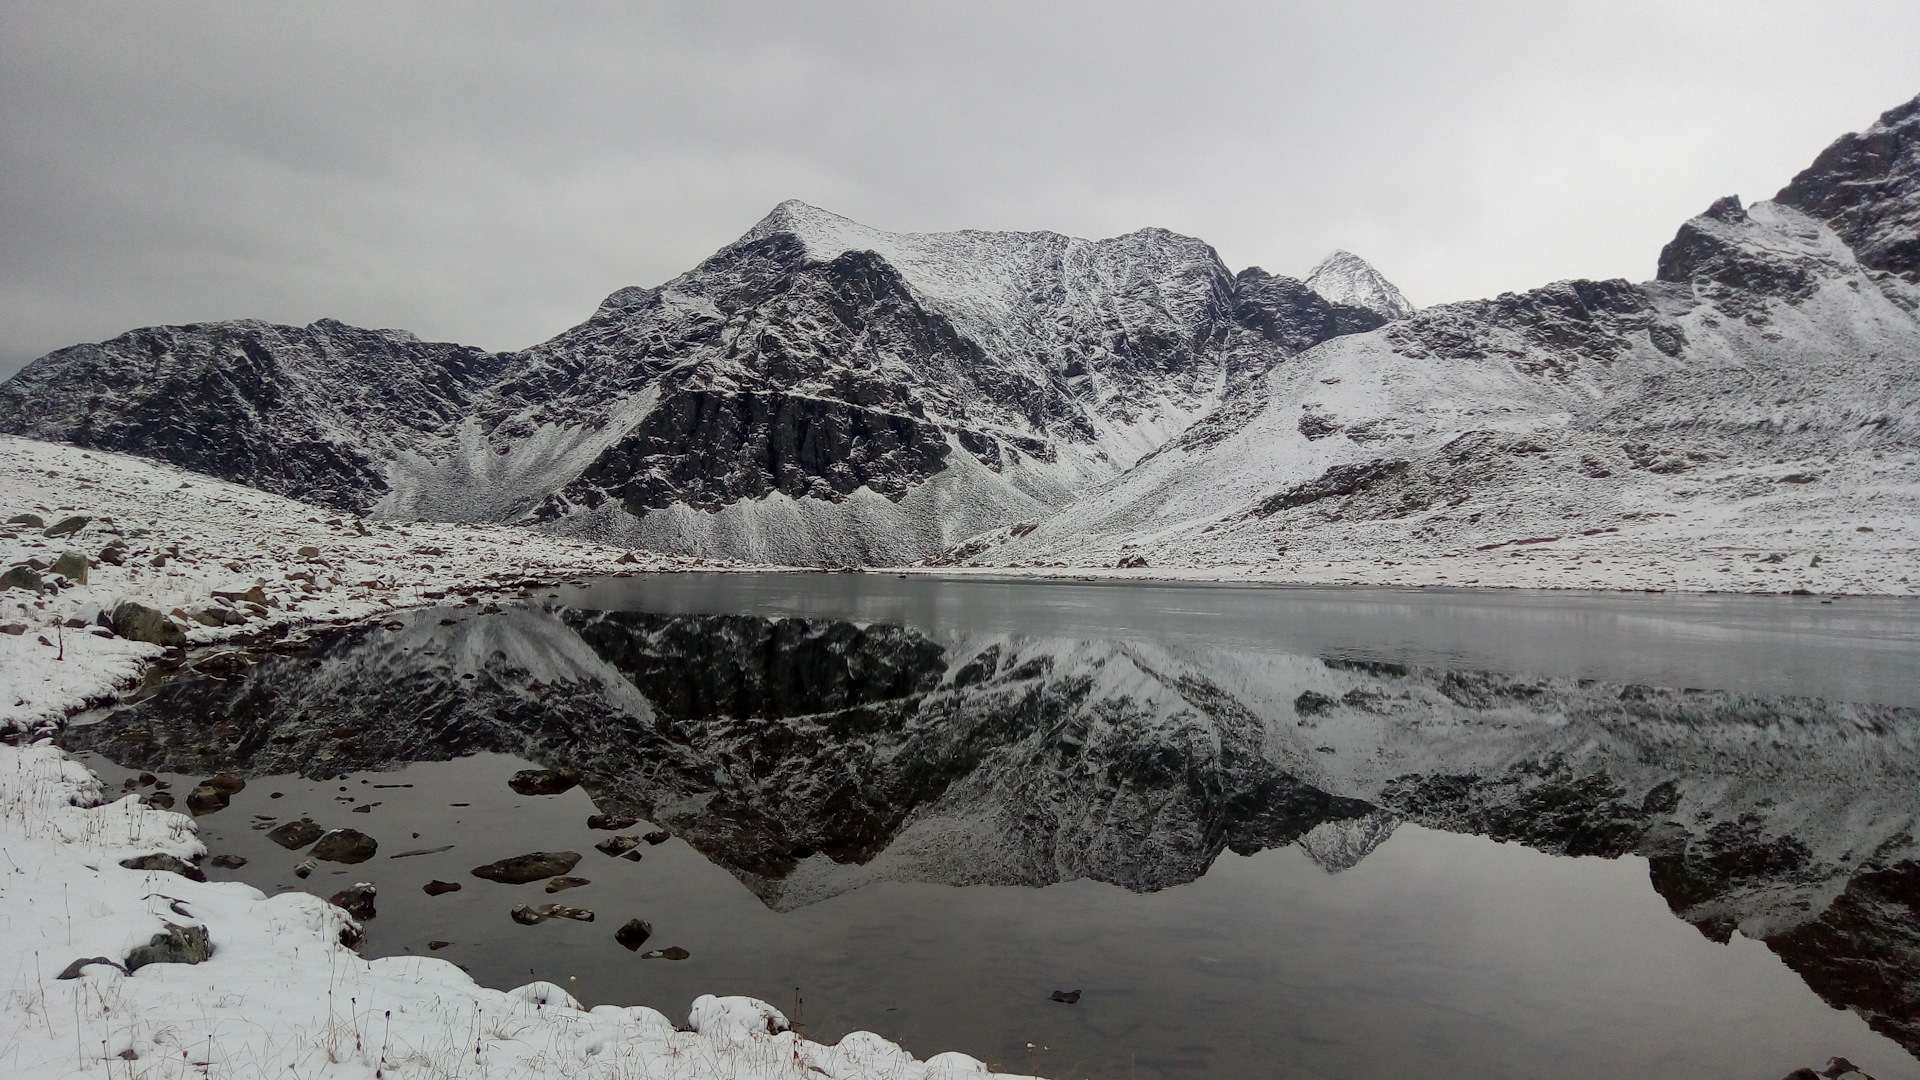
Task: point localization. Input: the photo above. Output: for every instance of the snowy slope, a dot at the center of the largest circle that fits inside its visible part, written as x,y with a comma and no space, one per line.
279,993
816,392
1749,420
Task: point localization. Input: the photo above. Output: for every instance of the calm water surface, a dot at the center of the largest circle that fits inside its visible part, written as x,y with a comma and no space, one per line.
1263,832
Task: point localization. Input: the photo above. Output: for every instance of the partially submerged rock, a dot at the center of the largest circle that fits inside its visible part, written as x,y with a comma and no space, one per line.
345,846
356,900
295,835
436,887
634,934
206,799
610,822
529,867
527,915
543,781
617,845
560,883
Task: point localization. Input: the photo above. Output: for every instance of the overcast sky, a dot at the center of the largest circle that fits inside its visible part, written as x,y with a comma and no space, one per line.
486,173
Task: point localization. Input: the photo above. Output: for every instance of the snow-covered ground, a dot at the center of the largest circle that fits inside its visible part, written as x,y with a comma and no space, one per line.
280,995
212,537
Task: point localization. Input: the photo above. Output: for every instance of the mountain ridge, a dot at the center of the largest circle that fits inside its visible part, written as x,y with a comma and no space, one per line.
820,392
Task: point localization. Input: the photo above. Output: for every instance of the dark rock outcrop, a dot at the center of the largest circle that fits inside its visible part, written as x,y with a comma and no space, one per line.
1866,187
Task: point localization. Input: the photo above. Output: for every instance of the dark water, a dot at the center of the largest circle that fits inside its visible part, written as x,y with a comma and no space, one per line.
1264,832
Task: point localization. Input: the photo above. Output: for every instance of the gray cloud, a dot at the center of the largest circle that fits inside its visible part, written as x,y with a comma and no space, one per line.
486,173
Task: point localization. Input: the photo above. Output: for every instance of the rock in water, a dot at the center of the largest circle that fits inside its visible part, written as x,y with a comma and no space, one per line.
530,867
671,952
228,862
229,782
175,945
543,781
634,934
169,863
206,799
1066,997
137,622
617,845
356,900
528,916
436,887
345,846
658,836
611,822
295,835
560,883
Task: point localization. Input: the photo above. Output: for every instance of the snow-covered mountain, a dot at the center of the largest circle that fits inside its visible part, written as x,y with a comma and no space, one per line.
820,392
817,391
1768,380
812,756
1346,278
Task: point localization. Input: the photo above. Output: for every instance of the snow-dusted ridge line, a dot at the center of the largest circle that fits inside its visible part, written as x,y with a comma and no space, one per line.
759,406
279,989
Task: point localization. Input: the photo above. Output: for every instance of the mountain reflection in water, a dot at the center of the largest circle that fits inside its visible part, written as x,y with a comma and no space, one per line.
811,756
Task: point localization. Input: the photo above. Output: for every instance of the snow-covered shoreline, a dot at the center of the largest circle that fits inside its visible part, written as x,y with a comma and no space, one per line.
279,994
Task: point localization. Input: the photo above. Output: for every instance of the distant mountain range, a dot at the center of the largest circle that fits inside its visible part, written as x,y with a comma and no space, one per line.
819,392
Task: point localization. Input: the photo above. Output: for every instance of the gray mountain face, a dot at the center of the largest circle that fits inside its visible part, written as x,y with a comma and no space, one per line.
815,392
314,412
1769,377
812,756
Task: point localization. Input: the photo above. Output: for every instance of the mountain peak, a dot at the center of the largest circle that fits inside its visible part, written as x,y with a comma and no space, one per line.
1346,278
824,233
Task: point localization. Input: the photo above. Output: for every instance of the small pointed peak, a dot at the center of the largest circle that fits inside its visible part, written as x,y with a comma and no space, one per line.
1727,208
1346,278
824,233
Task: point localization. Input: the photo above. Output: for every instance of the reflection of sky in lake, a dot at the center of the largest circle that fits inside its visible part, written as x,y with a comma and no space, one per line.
1125,735
1853,649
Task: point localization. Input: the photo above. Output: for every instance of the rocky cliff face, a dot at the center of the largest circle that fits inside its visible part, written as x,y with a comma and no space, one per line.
313,412
816,392
811,756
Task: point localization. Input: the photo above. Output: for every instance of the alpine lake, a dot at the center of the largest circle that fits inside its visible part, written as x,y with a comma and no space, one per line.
1116,830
